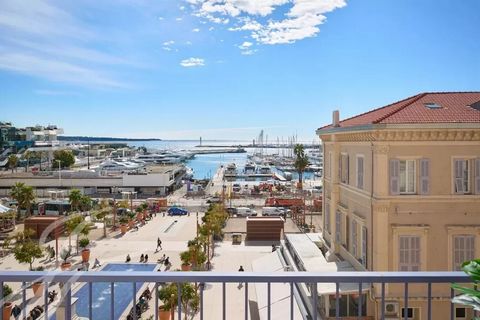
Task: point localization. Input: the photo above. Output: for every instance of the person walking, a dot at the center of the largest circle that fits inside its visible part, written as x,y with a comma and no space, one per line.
240,284
159,244
142,258
146,258
128,259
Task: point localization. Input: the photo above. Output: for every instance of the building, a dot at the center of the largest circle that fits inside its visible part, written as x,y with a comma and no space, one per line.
402,193
158,180
37,136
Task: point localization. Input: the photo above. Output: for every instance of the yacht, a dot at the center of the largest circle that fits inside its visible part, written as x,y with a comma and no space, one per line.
250,168
110,165
265,170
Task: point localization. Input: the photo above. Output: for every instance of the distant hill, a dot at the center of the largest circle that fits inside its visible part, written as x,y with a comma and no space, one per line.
101,139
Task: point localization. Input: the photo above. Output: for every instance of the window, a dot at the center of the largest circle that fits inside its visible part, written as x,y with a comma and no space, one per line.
411,313
462,176
409,253
343,168
364,246
360,172
407,176
329,167
338,227
463,250
354,238
460,313
327,216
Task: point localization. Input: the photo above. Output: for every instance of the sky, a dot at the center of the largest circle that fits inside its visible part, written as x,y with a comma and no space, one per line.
226,69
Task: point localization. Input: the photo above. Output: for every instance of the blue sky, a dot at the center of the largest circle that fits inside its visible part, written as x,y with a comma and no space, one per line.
225,69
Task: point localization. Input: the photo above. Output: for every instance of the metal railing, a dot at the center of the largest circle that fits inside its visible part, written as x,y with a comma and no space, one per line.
68,279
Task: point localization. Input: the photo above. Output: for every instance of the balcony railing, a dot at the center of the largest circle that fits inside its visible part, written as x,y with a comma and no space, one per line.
294,279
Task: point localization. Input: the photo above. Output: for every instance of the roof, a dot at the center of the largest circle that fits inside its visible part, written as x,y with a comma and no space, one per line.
453,107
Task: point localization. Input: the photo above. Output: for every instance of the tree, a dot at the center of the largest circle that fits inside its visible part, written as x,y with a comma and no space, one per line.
27,155
24,195
85,203
12,162
301,162
75,198
102,214
66,158
76,225
26,250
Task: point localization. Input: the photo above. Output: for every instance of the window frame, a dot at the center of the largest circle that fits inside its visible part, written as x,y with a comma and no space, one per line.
456,230
456,266
415,178
410,230
344,168
470,163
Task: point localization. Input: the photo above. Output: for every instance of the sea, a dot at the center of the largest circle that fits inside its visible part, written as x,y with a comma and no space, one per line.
205,165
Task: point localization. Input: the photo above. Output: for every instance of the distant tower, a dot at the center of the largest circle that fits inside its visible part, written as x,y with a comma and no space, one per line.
200,141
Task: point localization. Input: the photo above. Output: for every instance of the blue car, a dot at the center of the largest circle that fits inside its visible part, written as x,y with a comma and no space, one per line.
174,211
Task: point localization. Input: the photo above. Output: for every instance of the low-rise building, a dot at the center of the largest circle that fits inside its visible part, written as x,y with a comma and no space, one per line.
402,193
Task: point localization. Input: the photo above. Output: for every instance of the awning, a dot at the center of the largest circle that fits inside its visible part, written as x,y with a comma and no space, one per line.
4,209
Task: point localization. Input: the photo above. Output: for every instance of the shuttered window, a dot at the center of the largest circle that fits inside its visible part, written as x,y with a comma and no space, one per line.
424,176
407,176
462,176
327,216
360,172
364,246
463,250
338,227
344,166
354,237
477,176
409,253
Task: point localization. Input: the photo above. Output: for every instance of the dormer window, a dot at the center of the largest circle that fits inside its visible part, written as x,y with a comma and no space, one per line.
433,105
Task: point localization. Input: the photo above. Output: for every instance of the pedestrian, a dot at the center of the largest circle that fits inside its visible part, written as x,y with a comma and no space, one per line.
96,264
52,254
16,311
128,259
167,261
240,284
159,244
274,248
142,258
146,258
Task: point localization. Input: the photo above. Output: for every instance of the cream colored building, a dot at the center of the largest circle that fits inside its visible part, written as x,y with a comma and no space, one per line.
402,193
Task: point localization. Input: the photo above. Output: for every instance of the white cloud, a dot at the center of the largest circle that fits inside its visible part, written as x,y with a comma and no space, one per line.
246,48
195,30
192,62
43,39
169,43
245,45
188,43
182,8
161,18
301,19
47,92
167,48
179,19
211,29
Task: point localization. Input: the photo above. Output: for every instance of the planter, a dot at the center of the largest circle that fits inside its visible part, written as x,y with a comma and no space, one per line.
186,267
85,255
7,310
139,216
130,224
66,266
123,228
38,289
163,314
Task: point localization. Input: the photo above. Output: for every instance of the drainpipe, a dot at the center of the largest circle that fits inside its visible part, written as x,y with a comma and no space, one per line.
372,295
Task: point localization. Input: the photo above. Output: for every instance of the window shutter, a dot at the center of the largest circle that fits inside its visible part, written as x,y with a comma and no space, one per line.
360,173
394,176
459,170
327,216
347,171
338,226
364,246
425,176
477,176
340,160
354,238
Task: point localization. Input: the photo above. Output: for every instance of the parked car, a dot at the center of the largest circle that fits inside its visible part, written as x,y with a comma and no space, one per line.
275,211
246,212
236,187
231,211
214,200
175,211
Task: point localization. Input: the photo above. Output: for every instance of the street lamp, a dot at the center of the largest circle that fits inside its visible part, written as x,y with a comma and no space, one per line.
59,172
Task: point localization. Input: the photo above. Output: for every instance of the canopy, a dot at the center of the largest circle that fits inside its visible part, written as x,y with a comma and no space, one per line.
4,209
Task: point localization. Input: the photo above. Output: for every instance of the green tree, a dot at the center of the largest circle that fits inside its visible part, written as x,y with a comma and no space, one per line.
76,225
12,162
26,250
75,198
85,203
24,195
301,162
27,155
66,158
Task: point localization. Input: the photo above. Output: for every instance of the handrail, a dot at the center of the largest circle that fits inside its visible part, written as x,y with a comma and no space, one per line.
231,277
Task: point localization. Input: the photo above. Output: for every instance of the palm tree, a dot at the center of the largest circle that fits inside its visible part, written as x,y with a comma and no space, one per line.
27,155
75,198
301,162
24,195
12,162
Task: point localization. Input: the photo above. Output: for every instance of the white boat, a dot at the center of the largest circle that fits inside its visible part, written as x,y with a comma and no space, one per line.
250,168
118,166
264,170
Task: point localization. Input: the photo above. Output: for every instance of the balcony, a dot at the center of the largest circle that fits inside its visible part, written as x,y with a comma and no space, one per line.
375,281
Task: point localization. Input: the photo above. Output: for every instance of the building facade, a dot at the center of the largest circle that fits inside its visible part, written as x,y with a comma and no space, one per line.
402,193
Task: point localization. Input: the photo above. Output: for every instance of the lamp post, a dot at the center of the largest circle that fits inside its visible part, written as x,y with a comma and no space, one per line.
59,172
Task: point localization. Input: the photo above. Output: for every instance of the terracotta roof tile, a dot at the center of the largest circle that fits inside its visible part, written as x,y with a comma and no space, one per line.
455,107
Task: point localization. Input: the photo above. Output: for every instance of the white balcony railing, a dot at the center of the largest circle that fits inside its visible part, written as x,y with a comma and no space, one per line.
292,278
